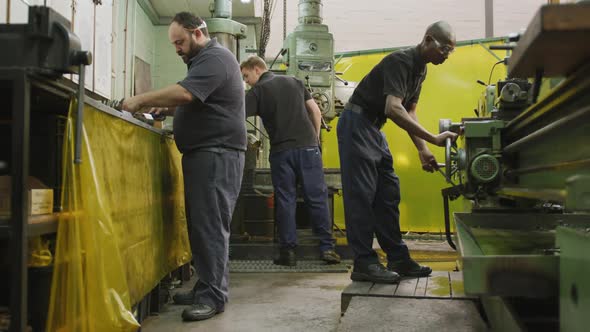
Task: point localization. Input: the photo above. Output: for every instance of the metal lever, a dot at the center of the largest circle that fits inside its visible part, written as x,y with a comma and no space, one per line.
444,175
324,124
83,59
341,80
506,47
79,115
450,193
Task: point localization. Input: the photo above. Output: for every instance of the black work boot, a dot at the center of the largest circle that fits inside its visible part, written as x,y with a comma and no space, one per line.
330,256
409,268
286,257
376,273
199,311
184,298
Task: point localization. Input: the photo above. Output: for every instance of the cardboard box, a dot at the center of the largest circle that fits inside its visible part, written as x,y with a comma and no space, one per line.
40,197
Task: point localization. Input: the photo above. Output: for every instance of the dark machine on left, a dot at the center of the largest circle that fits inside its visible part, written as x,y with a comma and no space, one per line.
34,58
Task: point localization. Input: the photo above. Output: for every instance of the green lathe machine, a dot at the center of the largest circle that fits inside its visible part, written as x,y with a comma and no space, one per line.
523,164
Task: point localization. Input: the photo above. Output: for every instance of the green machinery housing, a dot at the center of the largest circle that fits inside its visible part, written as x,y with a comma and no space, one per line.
523,164
310,55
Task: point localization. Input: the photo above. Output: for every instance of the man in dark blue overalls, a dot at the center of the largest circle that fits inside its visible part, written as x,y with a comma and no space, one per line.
370,187
292,119
210,132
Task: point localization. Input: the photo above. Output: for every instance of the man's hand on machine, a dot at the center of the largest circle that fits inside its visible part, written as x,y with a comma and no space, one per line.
131,104
428,161
159,113
441,138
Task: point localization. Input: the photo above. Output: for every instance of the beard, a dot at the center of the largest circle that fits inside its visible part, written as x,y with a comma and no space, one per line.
194,49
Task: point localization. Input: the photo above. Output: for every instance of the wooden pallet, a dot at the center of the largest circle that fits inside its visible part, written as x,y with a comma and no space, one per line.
439,285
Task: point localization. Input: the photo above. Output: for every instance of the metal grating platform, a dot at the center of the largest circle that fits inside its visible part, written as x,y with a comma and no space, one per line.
302,266
439,285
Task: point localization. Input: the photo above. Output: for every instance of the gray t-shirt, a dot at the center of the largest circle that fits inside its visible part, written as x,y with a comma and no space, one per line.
399,74
215,118
280,103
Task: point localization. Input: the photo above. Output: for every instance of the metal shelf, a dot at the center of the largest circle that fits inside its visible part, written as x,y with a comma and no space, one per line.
38,225
42,224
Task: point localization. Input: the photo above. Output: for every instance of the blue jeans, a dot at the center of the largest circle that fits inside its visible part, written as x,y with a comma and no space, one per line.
303,165
370,190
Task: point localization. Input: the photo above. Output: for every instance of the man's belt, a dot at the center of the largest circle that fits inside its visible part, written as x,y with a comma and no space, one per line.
375,119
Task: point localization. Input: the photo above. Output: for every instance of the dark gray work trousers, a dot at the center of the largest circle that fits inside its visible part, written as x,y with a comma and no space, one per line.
212,180
370,190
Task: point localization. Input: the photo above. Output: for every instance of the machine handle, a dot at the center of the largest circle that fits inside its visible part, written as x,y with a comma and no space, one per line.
80,114
505,47
325,125
447,220
83,59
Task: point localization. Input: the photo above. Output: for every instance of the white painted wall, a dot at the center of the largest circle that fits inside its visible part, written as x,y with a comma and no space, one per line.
84,28
513,16
92,24
19,9
361,25
102,55
3,11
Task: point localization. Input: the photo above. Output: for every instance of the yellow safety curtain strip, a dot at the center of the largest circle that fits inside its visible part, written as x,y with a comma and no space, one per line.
125,226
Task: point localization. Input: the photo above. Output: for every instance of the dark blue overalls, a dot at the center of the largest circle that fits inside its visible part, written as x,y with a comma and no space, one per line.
370,188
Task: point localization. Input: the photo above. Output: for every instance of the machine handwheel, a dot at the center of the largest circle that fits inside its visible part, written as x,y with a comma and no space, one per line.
322,100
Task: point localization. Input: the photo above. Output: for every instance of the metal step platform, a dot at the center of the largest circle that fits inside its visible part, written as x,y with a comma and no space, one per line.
439,285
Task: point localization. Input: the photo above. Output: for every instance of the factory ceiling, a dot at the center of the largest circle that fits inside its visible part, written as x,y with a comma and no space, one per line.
162,11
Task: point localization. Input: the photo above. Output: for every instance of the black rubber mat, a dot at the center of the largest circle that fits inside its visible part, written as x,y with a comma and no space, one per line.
302,266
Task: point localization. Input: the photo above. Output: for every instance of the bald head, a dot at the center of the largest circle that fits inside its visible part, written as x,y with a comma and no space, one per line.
441,31
438,43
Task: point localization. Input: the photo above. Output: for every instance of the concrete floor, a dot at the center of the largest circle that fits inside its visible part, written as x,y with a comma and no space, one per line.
267,302
307,302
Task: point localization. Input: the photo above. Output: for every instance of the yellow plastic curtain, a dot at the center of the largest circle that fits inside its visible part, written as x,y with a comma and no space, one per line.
124,225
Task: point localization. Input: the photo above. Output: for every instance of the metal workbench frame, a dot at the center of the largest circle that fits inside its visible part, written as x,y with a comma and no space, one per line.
16,228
